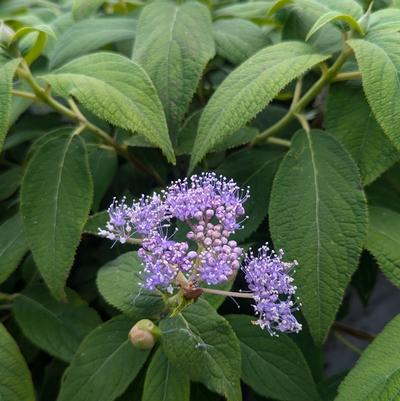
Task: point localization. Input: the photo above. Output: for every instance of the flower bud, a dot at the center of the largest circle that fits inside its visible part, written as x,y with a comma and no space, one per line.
144,334
6,34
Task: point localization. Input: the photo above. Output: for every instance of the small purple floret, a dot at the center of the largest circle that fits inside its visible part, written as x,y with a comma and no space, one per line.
269,279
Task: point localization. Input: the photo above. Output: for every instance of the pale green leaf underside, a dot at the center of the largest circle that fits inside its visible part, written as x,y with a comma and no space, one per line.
376,376
318,216
117,90
378,57
104,365
84,8
357,129
237,39
202,343
54,222
273,366
121,285
332,16
15,378
248,89
164,382
56,327
7,72
86,36
173,44
13,245
383,241
252,9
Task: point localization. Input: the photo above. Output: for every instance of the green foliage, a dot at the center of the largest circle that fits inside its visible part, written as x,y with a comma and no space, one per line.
53,223
318,215
15,379
104,364
296,101
274,367
247,91
376,375
202,343
56,327
164,382
173,44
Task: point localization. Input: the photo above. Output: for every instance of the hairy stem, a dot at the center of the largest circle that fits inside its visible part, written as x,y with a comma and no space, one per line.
74,113
327,77
346,76
279,141
227,293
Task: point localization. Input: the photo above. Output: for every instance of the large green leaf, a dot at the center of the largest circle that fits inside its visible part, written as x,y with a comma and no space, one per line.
88,35
357,129
121,284
378,57
272,366
84,8
376,377
248,89
237,39
15,378
202,343
117,90
253,9
318,216
56,327
173,44
10,180
56,195
255,168
104,365
164,382
13,245
383,241
7,72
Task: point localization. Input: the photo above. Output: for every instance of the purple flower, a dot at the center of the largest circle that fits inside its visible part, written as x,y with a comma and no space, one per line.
273,291
163,259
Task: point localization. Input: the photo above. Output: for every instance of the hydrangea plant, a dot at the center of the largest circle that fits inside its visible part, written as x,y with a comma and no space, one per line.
157,158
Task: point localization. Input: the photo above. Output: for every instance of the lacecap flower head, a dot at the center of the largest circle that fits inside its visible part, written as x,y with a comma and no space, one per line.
213,209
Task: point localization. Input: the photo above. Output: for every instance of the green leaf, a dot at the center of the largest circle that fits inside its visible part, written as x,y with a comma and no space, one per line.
387,19
103,165
15,378
121,285
273,366
96,221
250,10
104,365
201,343
173,44
164,382
357,129
13,246
56,195
88,35
117,90
7,72
378,55
85,8
56,327
247,90
334,16
376,376
318,216
255,168
238,39
10,180
383,241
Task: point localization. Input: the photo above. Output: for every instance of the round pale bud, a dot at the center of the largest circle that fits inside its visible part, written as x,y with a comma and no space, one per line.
6,34
144,334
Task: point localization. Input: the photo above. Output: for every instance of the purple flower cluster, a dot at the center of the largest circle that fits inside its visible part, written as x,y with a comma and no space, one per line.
212,207
273,291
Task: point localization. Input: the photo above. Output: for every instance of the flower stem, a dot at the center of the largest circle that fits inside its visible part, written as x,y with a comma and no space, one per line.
279,141
347,343
227,293
327,77
360,334
346,76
